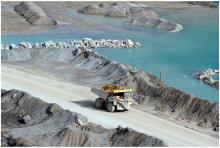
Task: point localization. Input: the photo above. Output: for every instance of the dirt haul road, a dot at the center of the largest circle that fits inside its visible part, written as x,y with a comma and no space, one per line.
79,99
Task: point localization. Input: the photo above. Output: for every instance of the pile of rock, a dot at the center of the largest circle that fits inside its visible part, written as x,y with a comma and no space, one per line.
206,77
211,4
139,14
119,9
84,43
58,127
155,23
150,91
34,14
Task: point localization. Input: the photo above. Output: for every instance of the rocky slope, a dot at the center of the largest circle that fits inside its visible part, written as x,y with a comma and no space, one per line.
119,9
33,14
94,69
171,100
155,23
154,92
34,20
211,4
29,121
140,14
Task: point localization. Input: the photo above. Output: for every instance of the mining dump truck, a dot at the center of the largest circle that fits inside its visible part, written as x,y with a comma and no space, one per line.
113,97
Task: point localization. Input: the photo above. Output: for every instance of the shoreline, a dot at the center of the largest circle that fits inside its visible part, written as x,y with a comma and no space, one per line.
84,43
93,44
63,72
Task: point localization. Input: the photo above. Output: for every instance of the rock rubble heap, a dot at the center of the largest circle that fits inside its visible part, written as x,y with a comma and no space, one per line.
151,91
84,43
138,14
119,9
45,124
33,14
207,77
155,23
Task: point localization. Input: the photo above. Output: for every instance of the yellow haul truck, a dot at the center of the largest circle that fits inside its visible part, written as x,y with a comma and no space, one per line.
113,97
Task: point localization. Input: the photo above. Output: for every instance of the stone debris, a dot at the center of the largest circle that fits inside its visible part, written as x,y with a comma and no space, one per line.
119,9
33,14
26,120
151,91
207,77
138,14
155,23
24,45
84,43
61,128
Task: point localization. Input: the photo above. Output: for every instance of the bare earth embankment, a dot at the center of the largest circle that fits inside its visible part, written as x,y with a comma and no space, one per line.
29,121
79,99
34,17
64,76
66,80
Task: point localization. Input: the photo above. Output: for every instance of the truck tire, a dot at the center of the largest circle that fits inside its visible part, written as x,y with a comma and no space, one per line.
110,107
98,103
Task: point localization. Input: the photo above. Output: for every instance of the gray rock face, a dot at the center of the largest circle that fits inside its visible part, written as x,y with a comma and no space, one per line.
155,23
34,14
119,9
58,127
177,103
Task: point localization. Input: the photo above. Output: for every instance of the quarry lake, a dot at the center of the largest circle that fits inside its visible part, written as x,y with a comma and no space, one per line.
176,55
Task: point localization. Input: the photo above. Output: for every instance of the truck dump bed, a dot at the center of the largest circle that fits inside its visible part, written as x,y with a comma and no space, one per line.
100,92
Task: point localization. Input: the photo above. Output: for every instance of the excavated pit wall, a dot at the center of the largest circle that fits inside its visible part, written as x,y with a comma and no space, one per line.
175,102
29,121
149,88
152,91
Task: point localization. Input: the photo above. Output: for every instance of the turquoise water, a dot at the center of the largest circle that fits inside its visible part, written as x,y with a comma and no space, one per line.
176,55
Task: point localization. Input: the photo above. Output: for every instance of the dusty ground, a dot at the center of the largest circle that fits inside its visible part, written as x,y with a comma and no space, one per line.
68,84
49,125
52,69
78,98
14,23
